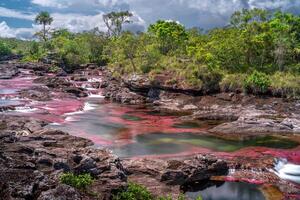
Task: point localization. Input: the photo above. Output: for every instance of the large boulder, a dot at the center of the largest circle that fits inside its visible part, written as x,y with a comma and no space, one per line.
198,169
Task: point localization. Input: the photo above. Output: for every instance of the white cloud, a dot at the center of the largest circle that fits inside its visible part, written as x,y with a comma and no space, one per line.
22,33
71,21
93,5
4,12
274,4
51,3
77,22
80,15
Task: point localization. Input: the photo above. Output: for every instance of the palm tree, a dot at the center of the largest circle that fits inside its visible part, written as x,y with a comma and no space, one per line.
44,18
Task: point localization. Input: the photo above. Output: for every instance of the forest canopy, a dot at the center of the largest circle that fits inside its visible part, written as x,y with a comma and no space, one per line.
257,53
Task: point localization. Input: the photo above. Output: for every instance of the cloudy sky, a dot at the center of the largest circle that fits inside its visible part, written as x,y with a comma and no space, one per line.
16,16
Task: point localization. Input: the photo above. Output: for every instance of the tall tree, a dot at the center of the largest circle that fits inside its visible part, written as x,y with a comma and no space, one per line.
170,34
114,21
44,19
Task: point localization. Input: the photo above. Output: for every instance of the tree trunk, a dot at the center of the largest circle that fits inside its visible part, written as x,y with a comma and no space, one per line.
132,63
44,32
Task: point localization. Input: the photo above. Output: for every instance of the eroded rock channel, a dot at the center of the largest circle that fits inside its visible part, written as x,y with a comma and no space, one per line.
168,138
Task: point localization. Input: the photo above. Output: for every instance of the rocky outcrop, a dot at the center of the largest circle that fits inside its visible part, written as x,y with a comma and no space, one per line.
116,92
163,177
64,192
38,93
32,159
197,169
53,82
8,71
61,84
257,126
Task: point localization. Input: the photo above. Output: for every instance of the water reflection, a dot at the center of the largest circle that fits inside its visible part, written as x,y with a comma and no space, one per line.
164,143
229,191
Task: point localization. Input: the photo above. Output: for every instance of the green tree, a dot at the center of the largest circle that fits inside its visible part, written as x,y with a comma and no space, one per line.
44,19
170,34
285,28
4,49
115,20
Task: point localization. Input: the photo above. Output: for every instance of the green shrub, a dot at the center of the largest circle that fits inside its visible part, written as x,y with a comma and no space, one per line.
134,192
54,69
137,192
210,78
257,83
35,52
77,181
4,49
232,83
285,85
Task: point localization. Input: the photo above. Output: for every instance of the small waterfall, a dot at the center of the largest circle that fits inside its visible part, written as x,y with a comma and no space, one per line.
94,80
87,107
287,171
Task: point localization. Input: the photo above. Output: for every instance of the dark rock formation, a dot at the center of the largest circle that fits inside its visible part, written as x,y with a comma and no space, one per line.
166,176
32,159
8,71
38,93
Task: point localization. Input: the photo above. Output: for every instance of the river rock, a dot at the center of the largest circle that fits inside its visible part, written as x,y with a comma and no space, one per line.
53,82
8,71
258,126
164,175
193,170
38,93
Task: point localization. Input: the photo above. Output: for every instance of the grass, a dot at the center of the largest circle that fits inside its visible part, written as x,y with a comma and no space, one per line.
285,85
232,83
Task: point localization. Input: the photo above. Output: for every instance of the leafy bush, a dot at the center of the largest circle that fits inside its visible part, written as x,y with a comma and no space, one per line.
137,192
4,49
257,83
134,192
77,181
285,85
54,69
35,52
232,83
210,78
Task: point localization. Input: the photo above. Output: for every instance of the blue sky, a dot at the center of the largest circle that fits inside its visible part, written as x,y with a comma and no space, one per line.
16,16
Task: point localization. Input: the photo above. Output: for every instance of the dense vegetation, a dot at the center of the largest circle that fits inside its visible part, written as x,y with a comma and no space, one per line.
258,53
78,181
137,192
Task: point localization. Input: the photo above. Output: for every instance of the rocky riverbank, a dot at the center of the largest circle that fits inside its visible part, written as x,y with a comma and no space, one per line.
32,157
246,115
